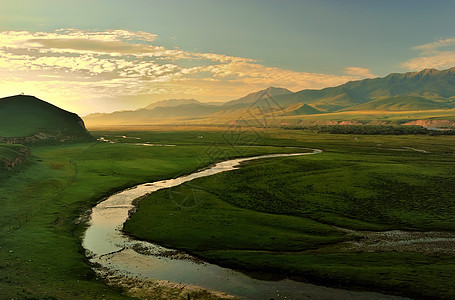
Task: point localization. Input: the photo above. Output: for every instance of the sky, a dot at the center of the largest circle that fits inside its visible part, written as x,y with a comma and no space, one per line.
101,56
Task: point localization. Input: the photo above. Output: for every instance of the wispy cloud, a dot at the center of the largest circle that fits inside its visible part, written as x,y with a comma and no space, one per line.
439,54
435,46
442,60
94,68
361,72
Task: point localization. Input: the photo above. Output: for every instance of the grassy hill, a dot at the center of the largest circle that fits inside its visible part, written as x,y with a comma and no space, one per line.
302,109
29,119
402,103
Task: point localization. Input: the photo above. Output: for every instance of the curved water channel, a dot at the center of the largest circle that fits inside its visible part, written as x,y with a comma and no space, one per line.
109,247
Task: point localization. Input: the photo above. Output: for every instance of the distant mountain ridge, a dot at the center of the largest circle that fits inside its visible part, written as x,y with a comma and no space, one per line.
427,90
180,108
27,119
171,103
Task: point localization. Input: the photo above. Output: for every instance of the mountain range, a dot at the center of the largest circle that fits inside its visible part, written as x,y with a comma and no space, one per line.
427,90
171,103
438,87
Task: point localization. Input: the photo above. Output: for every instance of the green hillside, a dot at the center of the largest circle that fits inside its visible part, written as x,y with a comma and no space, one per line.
9,152
31,119
430,84
402,103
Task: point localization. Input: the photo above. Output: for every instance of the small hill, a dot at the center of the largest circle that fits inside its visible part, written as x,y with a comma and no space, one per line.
27,119
171,103
303,109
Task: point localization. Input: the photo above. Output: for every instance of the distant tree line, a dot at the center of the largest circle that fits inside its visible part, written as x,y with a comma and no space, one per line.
372,129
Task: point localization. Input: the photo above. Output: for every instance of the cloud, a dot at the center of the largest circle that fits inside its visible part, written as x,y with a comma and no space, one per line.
442,60
361,72
434,46
431,56
71,64
257,74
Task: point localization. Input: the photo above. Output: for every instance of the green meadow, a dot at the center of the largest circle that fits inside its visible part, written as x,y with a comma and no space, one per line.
40,233
274,215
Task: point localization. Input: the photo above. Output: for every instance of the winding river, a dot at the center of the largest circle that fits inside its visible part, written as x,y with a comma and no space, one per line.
110,248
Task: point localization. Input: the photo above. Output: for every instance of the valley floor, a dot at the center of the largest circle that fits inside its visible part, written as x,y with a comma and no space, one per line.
304,217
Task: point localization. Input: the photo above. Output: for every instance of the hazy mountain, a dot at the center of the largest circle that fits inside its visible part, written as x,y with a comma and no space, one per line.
147,116
179,108
185,110
171,103
26,119
257,96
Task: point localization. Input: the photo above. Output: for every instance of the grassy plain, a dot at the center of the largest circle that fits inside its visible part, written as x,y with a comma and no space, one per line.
273,214
41,255
40,248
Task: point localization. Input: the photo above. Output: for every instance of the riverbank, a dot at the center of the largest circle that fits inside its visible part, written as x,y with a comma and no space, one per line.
158,289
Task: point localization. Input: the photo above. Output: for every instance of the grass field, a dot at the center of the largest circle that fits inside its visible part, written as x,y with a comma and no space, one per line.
41,254
272,215
40,248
